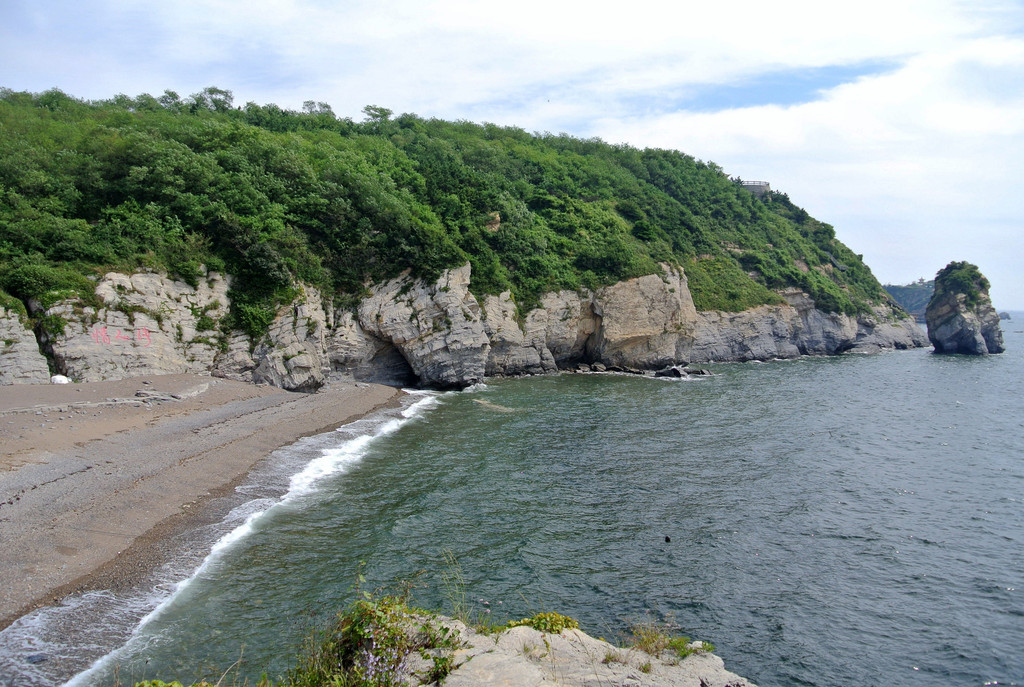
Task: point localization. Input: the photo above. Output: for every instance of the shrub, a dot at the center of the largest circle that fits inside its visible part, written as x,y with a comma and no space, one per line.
552,623
46,284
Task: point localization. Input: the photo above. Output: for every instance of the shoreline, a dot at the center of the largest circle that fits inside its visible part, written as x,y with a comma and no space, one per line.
96,481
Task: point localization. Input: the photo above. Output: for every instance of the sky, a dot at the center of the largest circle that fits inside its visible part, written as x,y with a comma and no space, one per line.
899,122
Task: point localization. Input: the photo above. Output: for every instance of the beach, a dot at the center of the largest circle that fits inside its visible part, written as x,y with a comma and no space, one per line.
93,477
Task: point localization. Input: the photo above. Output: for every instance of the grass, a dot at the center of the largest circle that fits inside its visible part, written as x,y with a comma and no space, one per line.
654,638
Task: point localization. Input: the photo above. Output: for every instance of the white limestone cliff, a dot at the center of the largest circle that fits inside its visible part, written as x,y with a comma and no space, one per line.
434,333
20,359
147,324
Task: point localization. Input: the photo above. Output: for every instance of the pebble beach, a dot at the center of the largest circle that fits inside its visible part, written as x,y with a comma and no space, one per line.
94,476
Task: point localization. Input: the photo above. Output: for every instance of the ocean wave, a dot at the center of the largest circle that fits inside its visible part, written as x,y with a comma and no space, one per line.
42,648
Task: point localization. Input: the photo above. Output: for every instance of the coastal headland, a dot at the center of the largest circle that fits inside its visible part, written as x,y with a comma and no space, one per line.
93,476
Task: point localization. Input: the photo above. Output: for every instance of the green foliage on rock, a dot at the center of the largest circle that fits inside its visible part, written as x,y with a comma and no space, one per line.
274,196
552,623
961,277
370,643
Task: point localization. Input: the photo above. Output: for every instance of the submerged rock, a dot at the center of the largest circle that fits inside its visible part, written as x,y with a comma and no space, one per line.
960,316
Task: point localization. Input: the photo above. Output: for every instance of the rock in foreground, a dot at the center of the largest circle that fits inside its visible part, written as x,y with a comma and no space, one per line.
960,316
524,656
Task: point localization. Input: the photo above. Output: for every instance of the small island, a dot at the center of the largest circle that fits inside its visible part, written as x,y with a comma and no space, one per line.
960,316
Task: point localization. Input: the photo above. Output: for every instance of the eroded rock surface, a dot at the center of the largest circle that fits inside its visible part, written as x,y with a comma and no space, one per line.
148,324
523,656
411,331
960,316
20,359
435,326
798,328
291,355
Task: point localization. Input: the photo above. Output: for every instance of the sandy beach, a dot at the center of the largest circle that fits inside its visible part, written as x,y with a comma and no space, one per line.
94,476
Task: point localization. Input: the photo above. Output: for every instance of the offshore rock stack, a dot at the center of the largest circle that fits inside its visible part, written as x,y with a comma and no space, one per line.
960,316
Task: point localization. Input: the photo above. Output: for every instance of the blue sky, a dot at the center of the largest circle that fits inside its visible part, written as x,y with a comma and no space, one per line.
900,122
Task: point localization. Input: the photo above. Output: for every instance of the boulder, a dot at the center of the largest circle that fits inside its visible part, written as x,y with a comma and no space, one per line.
960,316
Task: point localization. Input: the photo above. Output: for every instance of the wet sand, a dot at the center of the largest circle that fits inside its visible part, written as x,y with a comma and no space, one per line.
94,477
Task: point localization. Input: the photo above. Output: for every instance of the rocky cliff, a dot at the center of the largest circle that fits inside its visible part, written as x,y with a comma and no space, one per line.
798,328
960,316
432,333
20,359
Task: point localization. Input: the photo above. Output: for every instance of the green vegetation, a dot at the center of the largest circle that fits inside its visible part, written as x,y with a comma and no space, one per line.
552,623
366,645
275,197
369,644
912,297
961,277
655,637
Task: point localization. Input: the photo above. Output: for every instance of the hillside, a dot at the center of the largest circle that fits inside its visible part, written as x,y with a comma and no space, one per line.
277,197
912,297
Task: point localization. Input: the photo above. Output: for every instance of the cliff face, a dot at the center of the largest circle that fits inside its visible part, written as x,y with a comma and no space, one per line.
960,316
798,328
20,359
148,324
432,333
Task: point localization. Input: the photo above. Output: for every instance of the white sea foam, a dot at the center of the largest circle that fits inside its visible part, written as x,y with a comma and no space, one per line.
38,633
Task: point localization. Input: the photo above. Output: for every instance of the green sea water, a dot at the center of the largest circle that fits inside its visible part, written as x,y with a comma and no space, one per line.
835,521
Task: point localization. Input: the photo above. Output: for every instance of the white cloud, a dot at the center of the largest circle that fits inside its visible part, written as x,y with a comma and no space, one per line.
915,166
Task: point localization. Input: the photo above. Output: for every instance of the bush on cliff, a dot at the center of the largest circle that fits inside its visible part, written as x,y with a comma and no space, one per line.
276,196
961,277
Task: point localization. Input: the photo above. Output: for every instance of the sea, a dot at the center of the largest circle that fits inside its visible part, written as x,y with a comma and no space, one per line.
852,521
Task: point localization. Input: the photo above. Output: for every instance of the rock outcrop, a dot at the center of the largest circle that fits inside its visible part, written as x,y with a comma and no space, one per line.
798,328
432,333
147,324
960,316
436,327
525,657
20,359
448,339
291,355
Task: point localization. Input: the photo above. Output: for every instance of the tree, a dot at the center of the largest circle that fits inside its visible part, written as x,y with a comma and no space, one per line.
315,108
211,98
377,114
